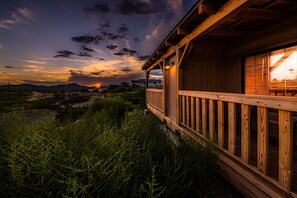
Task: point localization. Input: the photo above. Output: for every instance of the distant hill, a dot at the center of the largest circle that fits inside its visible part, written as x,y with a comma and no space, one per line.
62,87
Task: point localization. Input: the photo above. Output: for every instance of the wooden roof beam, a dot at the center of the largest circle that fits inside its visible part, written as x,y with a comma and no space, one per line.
169,43
206,9
182,32
256,13
227,32
224,13
160,52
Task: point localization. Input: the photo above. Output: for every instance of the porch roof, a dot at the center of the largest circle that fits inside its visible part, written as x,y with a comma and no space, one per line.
223,21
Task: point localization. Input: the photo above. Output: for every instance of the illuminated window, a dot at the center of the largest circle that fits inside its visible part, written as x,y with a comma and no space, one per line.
273,73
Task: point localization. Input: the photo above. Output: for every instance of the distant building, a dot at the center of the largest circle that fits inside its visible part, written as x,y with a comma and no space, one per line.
152,83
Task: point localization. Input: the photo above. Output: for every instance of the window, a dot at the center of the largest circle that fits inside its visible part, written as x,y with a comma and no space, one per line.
273,73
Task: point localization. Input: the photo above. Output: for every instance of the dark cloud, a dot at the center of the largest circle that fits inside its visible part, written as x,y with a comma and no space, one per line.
119,53
136,40
111,47
84,48
84,54
9,67
101,59
104,25
111,36
64,53
98,8
96,73
130,7
126,69
89,79
126,52
123,29
142,58
87,39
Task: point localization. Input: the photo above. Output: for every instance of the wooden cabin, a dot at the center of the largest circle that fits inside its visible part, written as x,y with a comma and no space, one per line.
229,71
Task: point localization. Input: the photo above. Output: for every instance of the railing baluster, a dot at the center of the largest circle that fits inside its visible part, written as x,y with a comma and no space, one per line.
211,120
231,127
221,123
204,118
188,111
245,132
198,117
262,140
184,109
192,113
285,148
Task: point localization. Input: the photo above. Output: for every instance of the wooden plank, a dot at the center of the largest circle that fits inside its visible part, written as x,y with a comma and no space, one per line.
274,102
192,113
184,110
262,158
257,13
285,148
198,117
188,113
245,133
221,123
231,127
204,117
211,120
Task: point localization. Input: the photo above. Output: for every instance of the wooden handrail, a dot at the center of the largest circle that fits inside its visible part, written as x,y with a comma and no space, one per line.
274,102
154,90
197,109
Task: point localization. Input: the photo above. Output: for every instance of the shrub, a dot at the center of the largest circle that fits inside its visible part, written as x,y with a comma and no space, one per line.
109,151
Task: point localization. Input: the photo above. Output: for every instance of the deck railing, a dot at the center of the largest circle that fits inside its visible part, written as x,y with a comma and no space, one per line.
155,98
226,119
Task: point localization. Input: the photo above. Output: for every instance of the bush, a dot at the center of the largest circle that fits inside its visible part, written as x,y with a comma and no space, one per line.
109,151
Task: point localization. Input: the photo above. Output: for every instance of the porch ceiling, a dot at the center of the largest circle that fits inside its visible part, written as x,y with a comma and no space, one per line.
258,16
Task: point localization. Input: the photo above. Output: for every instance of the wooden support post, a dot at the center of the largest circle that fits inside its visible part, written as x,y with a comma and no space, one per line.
245,133
147,78
188,116
211,119
192,113
262,162
231,127
198,117
177,56
204,118
285,148
221,126
164,89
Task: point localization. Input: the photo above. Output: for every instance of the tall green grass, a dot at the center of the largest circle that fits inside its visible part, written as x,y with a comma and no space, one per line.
110,151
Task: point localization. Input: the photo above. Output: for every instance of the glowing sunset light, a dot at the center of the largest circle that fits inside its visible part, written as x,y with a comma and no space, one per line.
109,45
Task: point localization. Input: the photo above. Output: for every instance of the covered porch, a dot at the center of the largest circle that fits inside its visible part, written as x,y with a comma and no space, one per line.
223,80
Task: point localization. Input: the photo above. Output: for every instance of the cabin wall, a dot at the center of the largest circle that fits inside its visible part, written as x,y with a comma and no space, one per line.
217,67
203,69
272,38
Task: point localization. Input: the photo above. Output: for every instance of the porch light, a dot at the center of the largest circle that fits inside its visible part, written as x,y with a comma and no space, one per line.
169,65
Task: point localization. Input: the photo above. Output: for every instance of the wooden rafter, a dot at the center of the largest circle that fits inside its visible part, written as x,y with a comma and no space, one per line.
182,32
169,43
255,13
230,9
227,32
206,9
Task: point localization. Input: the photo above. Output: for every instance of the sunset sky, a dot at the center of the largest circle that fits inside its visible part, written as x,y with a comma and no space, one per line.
82,41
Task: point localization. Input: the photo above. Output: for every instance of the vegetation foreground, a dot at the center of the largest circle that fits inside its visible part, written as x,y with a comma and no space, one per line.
111,150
